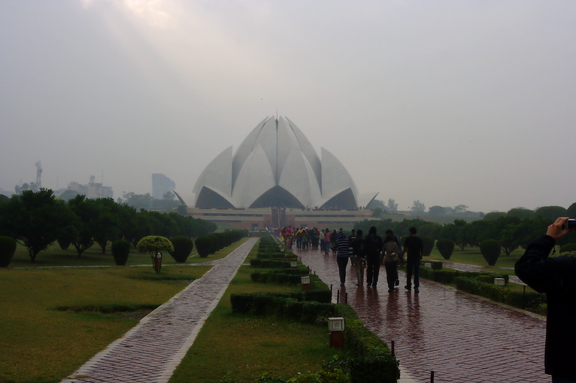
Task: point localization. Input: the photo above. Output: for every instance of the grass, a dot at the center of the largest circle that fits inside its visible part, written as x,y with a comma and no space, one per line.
244,347
54,256
54,320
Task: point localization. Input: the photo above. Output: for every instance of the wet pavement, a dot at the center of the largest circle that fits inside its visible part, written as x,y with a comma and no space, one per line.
460,337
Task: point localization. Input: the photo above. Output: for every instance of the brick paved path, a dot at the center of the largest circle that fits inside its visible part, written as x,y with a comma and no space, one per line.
152,350
460,337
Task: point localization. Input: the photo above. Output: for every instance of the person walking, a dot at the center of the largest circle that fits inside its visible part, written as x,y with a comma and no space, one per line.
372,248
342,255
414,247
391,256
358,257
397,240
333,238
327,241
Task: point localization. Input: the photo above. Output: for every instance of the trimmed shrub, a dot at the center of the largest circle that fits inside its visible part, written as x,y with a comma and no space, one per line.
372,360
490,250
428,243
204,246
64,243
569,247
182,248
120,252
269,263
445,247
435,265
7,250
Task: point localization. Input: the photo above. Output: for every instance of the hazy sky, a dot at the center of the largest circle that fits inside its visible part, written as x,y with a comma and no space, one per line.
446,102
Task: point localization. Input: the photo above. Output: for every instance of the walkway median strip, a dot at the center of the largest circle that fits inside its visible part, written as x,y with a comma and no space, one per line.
153,349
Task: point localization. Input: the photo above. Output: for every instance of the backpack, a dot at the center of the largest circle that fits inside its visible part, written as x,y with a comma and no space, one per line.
373,245
359,247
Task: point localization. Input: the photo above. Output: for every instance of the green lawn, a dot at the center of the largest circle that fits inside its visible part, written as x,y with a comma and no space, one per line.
41,343
244,347
54,256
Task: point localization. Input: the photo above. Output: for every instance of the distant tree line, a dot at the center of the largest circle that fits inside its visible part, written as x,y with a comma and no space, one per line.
38,219
516,228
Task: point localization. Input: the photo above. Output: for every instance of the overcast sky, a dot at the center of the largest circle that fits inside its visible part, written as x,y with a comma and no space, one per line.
446,102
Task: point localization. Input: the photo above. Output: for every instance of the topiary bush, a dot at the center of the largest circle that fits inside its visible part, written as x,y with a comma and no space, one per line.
64,243
569,247
490,250
445,247
7,250
120,252
204,246
182,248
428,243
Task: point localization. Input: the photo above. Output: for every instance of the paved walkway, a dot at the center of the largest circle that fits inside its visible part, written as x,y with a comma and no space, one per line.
152,350
459,337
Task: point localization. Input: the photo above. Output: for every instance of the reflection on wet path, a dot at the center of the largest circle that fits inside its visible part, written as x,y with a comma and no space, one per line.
460,337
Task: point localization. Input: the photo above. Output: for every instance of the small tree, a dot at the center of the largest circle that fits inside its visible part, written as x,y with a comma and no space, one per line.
490,250
377,212
445,246
155,245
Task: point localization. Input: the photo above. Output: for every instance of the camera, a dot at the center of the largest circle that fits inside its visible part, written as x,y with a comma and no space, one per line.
569,225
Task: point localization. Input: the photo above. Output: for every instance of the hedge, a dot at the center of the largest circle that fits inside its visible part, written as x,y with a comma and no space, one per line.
275,264
372,360
500,294
306,306
280,278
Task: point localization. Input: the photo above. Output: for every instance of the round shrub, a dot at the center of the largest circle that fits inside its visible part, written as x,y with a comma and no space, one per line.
7,250
182,248
568,248
204,246
120,251
445,247
490,250
428,243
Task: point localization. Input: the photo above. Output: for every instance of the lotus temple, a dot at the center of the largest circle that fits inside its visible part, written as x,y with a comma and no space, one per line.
276,178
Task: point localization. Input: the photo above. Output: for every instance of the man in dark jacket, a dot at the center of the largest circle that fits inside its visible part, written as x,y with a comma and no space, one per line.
414,247
557,278
372,248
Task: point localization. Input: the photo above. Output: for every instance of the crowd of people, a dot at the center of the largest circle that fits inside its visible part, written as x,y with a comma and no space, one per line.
370,253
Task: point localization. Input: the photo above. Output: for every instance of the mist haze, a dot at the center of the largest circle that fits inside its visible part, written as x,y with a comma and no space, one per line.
446,102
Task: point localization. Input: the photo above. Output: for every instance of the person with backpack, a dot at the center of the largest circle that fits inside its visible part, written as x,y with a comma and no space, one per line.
357,246
372,248
397,240
391,256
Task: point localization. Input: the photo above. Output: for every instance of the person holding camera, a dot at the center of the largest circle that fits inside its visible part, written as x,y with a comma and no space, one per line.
557,278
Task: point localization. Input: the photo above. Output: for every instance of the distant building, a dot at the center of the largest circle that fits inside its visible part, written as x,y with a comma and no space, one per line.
92,190
161,185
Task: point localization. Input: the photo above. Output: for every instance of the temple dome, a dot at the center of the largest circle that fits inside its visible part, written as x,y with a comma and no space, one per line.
275,165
